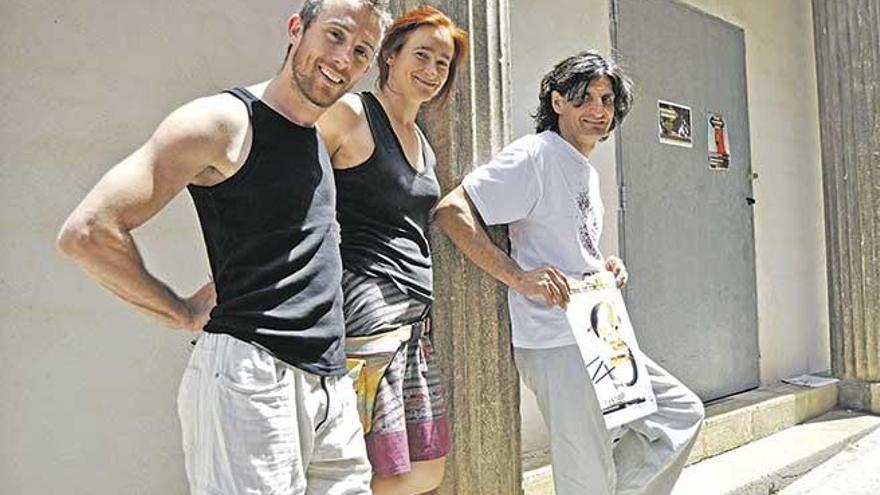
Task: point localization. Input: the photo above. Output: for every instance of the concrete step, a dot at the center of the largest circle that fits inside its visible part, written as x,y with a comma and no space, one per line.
768,465
743,418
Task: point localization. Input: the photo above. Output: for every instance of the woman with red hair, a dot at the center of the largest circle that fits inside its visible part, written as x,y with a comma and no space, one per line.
386,190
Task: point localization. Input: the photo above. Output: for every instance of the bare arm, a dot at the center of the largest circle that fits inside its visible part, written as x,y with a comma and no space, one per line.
459,221
190,145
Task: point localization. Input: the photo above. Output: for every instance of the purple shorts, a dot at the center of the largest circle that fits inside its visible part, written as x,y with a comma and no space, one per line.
408,421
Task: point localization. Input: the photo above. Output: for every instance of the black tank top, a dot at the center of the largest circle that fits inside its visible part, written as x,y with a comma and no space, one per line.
384,206
270,231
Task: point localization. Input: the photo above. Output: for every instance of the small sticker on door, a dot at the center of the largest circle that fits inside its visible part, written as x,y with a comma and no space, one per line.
719,144
674,124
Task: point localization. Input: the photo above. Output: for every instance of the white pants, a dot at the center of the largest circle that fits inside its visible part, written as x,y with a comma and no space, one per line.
255,425
649,454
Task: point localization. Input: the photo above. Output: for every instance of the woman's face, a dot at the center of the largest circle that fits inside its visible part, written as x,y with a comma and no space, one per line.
421,66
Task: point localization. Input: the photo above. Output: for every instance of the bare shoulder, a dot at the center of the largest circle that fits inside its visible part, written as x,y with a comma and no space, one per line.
341,117
350,106
346,132
210,118
210,134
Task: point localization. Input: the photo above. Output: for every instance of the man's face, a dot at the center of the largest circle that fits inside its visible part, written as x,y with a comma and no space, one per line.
335,52
591,120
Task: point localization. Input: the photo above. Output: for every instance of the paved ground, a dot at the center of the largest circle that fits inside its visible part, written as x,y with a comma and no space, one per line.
854,471
769,465
837,453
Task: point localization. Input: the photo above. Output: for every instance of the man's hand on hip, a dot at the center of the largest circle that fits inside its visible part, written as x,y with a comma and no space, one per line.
199,306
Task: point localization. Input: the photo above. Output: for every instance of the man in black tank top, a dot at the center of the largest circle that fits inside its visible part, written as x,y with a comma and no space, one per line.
265,405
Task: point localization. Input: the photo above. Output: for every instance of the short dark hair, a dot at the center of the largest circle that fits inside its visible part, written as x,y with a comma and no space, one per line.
308,12
311,9
571,78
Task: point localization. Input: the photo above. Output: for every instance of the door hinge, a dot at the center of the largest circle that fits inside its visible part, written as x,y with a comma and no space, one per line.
622,197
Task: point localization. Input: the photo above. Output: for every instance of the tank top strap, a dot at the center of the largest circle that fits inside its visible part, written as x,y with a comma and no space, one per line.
428,156
245,96
380,125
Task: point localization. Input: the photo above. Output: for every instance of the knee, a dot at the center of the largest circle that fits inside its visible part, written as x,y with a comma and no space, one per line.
424,477
431,480
404,484
430,474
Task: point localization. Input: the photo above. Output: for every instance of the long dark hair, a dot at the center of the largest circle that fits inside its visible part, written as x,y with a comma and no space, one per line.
571,77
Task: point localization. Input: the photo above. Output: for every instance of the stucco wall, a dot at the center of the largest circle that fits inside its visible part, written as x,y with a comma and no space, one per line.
88,385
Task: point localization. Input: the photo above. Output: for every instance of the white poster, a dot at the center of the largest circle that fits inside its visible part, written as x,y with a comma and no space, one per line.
608,345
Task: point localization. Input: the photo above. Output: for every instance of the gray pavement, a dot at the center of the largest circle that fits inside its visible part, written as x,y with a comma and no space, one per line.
771,464
854,471
837,453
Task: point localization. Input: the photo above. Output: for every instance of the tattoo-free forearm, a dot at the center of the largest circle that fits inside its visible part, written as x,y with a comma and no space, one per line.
109,255
458,220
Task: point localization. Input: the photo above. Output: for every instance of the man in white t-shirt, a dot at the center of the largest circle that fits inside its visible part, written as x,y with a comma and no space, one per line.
544,189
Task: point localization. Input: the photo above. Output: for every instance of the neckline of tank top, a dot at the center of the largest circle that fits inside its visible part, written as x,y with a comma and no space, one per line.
275,112
422,140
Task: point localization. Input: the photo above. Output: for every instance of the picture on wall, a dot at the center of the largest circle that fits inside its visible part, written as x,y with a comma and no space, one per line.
674,124
719,144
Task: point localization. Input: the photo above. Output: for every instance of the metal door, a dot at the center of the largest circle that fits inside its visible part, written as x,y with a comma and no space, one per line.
686,229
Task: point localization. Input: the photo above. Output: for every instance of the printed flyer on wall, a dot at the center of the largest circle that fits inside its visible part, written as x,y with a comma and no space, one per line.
719,143
674,124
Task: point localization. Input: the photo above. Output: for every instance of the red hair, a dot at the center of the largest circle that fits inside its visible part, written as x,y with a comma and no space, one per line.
409,22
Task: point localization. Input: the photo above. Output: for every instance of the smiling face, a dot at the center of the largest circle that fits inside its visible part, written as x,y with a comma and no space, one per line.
585,124
420,67
335,52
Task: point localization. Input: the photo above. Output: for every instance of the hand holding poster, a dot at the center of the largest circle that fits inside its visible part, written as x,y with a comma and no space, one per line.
605,336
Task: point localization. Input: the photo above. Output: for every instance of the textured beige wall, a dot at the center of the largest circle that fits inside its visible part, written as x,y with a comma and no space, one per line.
89,386
789,219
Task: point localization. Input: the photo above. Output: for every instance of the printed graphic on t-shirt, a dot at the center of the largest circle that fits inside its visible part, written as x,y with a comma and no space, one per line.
588,229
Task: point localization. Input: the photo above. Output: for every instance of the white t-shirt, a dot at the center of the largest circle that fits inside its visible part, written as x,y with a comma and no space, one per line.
548,194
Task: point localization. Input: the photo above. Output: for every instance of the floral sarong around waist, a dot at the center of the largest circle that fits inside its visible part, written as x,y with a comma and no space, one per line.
367,359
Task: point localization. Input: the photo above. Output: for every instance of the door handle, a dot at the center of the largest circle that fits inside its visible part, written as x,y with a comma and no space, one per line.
751,201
